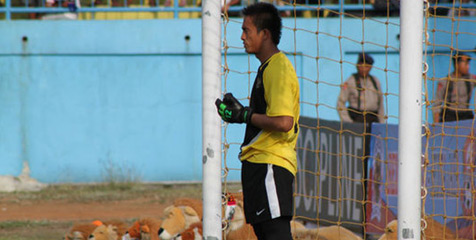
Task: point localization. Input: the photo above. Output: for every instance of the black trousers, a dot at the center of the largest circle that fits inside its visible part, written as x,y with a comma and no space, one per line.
358,116
450,115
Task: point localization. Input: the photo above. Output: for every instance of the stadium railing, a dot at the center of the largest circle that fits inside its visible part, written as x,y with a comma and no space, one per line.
87,9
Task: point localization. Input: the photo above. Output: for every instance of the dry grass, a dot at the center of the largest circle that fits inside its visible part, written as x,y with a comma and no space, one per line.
38,230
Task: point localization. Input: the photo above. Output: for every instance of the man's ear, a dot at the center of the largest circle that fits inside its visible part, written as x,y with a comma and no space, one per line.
267,33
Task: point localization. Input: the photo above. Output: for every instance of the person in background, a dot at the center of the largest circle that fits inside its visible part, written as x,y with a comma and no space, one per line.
226,4
72,6
387,8
457,12
453,93
268,152
362,93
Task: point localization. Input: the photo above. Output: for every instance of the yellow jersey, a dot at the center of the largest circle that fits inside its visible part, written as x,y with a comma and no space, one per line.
275,93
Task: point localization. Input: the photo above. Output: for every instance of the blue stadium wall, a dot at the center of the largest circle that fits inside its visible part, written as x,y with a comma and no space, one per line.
81,101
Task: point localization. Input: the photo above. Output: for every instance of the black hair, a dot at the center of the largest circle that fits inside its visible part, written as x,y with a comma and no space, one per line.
265,16
458,56
365,58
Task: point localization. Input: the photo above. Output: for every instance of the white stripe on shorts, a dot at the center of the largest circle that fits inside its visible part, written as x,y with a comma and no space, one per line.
272,194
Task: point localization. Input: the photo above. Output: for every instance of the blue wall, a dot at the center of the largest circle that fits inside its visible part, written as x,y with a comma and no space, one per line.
79,99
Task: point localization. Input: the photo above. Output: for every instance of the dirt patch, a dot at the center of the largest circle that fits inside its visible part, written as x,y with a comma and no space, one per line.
60,210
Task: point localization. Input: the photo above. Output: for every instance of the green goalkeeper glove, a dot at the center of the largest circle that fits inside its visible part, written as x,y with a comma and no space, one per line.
231,110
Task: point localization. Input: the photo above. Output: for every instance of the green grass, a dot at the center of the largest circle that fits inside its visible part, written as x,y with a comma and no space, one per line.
106,192
38,230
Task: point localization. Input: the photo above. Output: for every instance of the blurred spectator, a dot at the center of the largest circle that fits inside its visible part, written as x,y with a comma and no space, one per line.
386,7
29,3
169,3
454,92
362,93
279,3
462,12
436,9
226,4
313,8
72,6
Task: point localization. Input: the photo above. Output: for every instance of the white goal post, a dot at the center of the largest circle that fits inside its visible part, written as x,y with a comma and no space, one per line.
211,123
410,111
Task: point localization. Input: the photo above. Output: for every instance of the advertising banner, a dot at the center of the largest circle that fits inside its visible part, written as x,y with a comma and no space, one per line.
382,177
330,172
449,176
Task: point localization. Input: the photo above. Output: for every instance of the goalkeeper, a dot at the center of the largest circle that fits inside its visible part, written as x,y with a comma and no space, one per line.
268,153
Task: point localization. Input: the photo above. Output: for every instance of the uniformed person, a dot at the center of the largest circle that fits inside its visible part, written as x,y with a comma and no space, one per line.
360,98
454,92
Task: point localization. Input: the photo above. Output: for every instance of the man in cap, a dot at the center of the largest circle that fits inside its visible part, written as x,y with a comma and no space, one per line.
361,92
453,93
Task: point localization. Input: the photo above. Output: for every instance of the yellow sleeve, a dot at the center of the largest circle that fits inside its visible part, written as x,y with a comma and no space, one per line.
280,89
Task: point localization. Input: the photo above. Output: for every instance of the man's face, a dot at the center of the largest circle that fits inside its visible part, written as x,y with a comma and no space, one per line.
462,65
363,69
252,39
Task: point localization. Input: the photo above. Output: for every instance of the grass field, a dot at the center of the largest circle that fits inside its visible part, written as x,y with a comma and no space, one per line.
38,230
49,213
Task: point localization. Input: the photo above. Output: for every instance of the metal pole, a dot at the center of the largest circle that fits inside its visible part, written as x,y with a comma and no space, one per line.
211,123
176,6
8,9
410,121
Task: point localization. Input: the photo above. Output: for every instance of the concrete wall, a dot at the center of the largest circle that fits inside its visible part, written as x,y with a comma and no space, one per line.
91,101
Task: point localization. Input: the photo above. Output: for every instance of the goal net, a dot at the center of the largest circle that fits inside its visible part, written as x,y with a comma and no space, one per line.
449,156
348,172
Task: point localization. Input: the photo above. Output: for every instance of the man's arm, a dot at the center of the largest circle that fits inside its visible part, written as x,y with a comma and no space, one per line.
439,98
381,103
341,101
277,124
228,4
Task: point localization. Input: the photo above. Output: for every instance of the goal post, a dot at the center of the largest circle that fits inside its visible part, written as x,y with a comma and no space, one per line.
410,121
211,123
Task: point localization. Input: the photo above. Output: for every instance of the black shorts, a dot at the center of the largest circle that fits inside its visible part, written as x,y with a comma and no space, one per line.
275,229
267,191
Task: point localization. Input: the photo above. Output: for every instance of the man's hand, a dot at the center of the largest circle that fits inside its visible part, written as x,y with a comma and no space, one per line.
232,111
